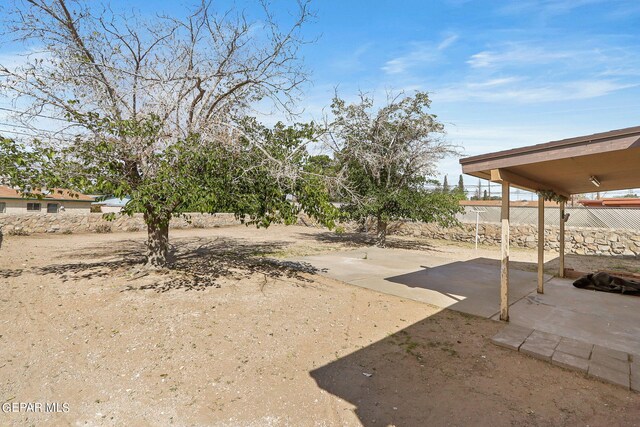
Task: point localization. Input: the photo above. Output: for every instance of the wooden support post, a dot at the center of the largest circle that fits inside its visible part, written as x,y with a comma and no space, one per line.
561,258
540,244
504,266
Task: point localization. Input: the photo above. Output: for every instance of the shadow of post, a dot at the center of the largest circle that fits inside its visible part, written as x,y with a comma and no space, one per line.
470,286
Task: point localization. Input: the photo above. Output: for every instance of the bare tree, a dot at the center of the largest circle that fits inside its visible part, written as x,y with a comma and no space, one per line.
130,88
388,155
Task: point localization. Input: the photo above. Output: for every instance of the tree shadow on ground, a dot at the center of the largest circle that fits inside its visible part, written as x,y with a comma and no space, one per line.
118,249
358,240
196,264
124,256
7,273
202,263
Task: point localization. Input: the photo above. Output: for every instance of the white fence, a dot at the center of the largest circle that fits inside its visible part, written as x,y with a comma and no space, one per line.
619,218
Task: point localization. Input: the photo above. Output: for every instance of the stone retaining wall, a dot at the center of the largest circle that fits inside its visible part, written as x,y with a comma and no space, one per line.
582,241
95,222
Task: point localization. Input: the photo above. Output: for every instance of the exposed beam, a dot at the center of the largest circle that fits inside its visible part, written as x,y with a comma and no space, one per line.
503,175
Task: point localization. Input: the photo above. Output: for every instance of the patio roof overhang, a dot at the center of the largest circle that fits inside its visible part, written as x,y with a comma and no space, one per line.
566,166
599,162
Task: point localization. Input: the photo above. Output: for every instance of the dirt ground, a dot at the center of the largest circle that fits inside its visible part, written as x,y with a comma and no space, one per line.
235,335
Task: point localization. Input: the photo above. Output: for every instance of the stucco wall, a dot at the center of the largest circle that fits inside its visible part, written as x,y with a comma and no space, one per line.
110,209
19,206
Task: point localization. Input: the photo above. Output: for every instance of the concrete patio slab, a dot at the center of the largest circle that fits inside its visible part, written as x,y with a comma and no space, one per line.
604,352
609,375
471,286
610,366
610,362
607,320
540,345
635,374
512,336
569,361
575,348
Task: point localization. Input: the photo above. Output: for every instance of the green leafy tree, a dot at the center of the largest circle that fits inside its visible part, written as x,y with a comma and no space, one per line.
156,109
445,185
388,156
256,182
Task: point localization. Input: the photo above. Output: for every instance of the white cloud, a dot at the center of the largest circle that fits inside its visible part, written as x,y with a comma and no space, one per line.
547,7
515,90
514,55
447,42
421,53
494,82
547,72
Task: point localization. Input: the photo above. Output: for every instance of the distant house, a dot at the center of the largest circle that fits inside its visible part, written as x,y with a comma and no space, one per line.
53,201
523,203
112,205
619,202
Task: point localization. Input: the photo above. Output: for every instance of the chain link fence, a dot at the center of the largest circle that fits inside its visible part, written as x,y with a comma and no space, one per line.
619,218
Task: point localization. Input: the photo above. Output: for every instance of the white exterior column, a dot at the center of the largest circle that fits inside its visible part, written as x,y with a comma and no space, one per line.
561,258
540,244
504,265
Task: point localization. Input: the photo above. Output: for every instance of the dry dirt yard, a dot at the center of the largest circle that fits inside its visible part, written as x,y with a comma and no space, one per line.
230,337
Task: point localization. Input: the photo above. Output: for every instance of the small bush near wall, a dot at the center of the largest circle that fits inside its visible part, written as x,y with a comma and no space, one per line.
17,232
103,228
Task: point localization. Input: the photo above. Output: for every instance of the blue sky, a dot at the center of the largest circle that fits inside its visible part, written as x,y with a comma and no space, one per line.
501,74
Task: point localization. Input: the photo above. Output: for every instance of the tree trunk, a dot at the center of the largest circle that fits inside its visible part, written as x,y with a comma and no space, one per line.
157,242
381,239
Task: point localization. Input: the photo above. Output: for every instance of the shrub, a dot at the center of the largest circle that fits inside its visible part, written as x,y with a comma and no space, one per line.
17,232
103,228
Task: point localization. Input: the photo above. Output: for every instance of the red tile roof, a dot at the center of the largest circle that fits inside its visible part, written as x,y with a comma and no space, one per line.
499,203
618,202
51,194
